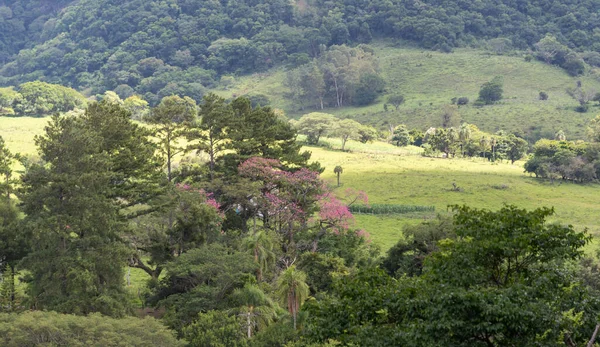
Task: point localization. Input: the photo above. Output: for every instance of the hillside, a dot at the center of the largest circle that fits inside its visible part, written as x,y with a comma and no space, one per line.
158,48
429,80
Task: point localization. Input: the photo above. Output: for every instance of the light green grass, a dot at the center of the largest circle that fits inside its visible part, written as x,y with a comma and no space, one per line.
19,132
430,79
416,180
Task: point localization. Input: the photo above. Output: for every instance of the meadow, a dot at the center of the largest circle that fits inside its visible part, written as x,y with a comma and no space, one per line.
429,80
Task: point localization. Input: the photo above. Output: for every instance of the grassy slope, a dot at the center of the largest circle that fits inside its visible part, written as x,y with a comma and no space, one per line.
430,79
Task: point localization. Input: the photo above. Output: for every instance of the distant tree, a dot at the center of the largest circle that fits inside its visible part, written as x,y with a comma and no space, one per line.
450,116
401,136
137,106
491,92
500,45
396,100
463,100
112,98
593,129
347,129
517,148
369,87
292,291
464,135
367,134
338,170
560,136
582,96
314,125
543,96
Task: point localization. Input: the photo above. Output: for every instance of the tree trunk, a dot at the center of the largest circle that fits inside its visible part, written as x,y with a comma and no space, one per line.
338,179
593,339
169,157
249,323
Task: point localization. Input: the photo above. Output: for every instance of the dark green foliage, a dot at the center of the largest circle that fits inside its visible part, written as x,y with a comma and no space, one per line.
407,256
53,329
174,47
200,280
215,329
369,87
94,166
491,92
543,96
567,160
505,279
389,209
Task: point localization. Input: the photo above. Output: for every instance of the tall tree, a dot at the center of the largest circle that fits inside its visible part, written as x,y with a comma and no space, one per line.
255,308
170,118
210,133
94,167
292,290
347,129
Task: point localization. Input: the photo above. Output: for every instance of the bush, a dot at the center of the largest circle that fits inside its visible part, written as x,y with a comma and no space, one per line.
462,101
582,108
543,96
390,209
54,329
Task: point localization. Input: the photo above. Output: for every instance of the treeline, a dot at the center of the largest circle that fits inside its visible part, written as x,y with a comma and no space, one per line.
39,99
160,48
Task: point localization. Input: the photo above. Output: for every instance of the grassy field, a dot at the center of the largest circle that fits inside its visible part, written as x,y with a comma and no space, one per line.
408,179
430,79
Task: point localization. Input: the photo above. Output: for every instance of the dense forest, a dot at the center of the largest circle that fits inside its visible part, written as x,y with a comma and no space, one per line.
160,48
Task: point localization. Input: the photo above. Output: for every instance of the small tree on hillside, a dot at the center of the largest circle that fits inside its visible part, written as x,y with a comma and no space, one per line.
347,129
396,100
491,92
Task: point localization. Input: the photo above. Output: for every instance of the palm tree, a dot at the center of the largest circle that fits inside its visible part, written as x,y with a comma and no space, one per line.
338,170
292,290
464,133
261,245
254,306
493,142
483,142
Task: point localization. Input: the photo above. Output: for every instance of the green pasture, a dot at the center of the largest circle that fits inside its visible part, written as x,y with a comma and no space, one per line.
410,179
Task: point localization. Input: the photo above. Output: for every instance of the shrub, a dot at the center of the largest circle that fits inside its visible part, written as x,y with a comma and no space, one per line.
543,96
462,100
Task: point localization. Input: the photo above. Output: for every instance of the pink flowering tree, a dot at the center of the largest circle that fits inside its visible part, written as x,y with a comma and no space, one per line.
299,201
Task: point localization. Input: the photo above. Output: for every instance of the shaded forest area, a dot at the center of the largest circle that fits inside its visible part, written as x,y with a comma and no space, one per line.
161,48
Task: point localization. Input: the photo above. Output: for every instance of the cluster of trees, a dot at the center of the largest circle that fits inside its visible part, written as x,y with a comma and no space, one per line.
576,161
39,99
482,278
159,48
339,76
316,125
233,244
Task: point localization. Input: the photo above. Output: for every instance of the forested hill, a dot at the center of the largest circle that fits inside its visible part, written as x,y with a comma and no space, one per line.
158,48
